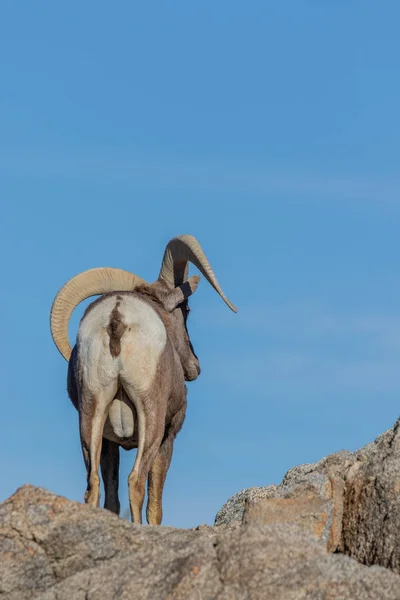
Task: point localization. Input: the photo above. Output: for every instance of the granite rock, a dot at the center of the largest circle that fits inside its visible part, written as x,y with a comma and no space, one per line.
55,549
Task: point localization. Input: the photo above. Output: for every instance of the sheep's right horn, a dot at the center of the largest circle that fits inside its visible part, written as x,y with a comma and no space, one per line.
89,283
174,268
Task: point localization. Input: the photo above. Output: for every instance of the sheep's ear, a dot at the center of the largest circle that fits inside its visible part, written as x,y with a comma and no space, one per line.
181,293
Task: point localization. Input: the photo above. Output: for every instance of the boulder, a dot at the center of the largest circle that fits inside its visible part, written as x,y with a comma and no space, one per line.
371,520
310,514
233,509
349,501
310,537
310,496
55,549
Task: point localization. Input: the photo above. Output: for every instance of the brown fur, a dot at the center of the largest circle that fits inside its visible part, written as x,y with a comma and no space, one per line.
164,406
88,435
152,293
72,378
116,329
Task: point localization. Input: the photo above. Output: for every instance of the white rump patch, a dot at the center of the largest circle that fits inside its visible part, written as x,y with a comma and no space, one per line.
142,345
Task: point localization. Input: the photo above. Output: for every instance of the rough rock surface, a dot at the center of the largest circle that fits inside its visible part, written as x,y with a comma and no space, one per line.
310,495
334,465
55,549
349,501
371,520
313,515
287,542
232,511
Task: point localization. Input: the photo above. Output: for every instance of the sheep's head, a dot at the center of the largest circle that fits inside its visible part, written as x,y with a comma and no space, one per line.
173,288
176,304
184,347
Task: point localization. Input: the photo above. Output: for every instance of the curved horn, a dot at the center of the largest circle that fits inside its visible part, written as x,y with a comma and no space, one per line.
174,268
82,286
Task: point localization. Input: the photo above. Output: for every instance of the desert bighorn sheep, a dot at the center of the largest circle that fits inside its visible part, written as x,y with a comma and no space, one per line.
127,371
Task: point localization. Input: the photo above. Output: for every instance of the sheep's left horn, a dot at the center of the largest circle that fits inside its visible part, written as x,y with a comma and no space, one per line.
89,283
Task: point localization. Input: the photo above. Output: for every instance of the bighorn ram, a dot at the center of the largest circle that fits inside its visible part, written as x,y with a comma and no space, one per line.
127,371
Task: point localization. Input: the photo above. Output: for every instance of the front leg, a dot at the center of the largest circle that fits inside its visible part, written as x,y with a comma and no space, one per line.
109,463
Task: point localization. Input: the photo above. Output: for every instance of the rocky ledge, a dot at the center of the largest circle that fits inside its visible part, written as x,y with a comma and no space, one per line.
330,530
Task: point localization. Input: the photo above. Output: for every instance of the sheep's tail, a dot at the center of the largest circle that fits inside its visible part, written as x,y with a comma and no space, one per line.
116,329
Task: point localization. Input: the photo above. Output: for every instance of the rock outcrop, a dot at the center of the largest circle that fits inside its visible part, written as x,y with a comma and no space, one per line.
371,520
310,496
302,540
349,501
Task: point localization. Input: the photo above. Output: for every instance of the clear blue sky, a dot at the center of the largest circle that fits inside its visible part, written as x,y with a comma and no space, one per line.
270,131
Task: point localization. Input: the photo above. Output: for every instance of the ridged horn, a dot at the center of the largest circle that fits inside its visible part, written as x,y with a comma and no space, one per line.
174,268
89,283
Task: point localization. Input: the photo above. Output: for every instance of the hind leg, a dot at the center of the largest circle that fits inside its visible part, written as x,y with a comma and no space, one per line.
159,469
109,463
93,410
156,480
151,425
154,433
